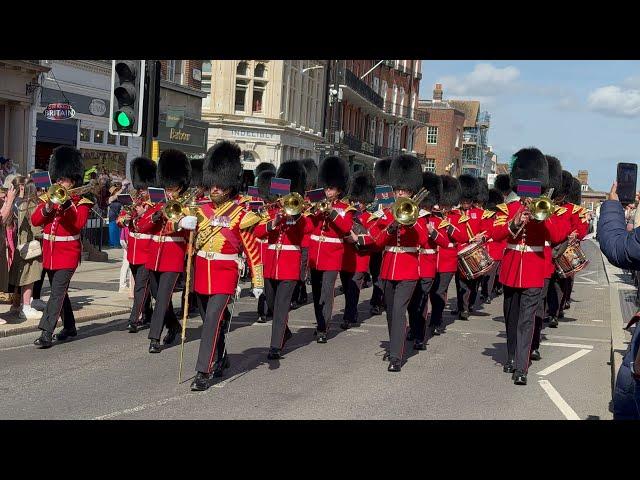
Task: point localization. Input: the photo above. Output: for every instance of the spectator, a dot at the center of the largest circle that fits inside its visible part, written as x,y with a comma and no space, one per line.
126,280
114,210
26,267
7,246
102,196
36,302
622,249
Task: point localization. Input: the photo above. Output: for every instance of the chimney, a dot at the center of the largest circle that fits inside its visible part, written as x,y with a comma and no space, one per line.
583,177
437,93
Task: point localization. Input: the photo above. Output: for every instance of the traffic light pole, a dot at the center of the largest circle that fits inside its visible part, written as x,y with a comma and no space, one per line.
150,127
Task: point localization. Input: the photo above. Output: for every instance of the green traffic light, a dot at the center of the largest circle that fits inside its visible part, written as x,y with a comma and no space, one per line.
123,120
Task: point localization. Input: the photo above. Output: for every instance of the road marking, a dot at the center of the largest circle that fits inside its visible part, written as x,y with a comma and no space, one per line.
562,363
144,406
555,397
570,345
563,337
594,320
559,402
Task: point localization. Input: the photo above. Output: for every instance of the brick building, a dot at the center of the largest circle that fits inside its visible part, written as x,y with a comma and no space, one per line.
373,110
591,199
440,141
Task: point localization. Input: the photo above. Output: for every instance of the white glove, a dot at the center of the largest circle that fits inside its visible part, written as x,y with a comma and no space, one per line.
257,292
238,292
188,223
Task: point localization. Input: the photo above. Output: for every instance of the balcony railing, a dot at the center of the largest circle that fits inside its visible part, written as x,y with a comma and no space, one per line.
353,82
398,110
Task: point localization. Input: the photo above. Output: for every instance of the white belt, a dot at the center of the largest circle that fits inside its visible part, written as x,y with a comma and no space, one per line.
260,240
427,251
401,249
524,248
140,236
326,239
451,245
166,238
56,238
279,246
218,256
547,244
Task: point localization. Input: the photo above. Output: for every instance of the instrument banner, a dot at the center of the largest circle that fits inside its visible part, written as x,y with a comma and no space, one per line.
125,199
253,192
316,195
280,186
529,188
384,194
157,195
41,179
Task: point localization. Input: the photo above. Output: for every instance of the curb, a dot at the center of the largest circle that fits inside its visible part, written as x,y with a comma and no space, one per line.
94,316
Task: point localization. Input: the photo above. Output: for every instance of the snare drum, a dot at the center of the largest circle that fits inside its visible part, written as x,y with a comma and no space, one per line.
474,261
571,261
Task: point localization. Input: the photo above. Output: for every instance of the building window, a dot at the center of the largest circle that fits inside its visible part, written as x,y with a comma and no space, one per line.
98,136
381,133
124,141
458,138
258,96
259,70
241,93
171,70
111,139
430,165
206,66
372,135
376,84
85,135
584,188
395,99
242,68
432,135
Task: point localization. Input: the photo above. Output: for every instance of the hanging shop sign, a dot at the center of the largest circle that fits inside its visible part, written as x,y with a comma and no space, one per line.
98,107
59,111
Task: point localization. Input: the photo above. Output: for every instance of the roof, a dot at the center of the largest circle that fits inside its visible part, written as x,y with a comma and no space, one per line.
470,109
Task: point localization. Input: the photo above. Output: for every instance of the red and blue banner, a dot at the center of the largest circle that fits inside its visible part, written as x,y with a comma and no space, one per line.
316,195
157,195
384,194
280,186
253,192
529,188
41,179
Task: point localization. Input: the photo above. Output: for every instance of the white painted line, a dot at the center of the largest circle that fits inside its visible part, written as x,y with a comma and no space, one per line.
562,363
570,345
139,408
594,320
555,397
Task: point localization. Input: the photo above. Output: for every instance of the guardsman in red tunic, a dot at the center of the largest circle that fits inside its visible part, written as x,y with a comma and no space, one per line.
494,209
224,230
381,174
143,175
523,266
326,246
168,246
300,296
470,221
427,260
401,245
447,257
263,182
61,247
285,235
579,224
357,246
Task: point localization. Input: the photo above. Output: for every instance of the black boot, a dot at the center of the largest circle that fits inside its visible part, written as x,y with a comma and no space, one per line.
394,365
45,340
133,328
345,324
64,334
509,367
154,346
201,382
171,335
274,354
419,345
322,337
535,355
262,319
553,322
463,315
376,310
520,378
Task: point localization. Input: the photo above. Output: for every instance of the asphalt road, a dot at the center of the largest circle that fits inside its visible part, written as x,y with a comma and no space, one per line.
107,373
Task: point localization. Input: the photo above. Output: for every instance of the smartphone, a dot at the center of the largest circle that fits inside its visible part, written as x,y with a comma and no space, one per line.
626,179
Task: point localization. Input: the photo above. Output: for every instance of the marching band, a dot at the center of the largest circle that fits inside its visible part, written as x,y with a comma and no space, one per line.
520,239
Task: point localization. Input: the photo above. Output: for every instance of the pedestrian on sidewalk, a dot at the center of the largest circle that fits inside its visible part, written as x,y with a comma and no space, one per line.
26,267
114,210
125,274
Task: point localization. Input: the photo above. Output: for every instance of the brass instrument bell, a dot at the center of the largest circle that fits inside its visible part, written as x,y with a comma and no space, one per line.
542,208
405,211
292,204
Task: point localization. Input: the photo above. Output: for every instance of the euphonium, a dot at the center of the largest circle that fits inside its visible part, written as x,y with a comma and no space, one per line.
542,208
292,204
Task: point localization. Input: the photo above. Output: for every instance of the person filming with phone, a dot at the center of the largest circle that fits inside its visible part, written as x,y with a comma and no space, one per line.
622,249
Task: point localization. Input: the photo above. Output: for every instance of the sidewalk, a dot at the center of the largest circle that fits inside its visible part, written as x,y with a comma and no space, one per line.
93,293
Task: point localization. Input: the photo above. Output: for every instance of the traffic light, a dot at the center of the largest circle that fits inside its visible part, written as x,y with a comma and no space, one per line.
127,97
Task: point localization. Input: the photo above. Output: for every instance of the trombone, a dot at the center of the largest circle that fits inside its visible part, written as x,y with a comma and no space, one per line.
59,195
542,207
406,210
173,209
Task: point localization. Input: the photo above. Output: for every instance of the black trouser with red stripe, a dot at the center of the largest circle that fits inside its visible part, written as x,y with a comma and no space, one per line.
278,293
397,295
323,283
300,291
489,280
438,296
540,314
352,285
141,294
418,308
215,315
520,305
162,285
466,292
58,302
375,263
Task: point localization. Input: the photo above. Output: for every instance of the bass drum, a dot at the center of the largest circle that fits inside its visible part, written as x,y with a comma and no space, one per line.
571,261
474,261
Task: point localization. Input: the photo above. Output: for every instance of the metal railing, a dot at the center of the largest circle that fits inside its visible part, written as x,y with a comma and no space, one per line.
360,87
407,112
94,230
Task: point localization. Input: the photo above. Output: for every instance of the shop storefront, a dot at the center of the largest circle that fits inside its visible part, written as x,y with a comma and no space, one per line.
185,134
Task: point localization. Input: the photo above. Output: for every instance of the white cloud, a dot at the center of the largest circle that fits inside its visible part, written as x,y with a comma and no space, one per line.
615,101
485,80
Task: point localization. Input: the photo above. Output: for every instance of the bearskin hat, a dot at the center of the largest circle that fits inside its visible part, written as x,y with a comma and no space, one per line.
469,187
222,167
294,171
196,172
311,167
555,172
494,198
450,191
333,172
174,170
575,192
503,183
530,164
264,166
362,187
381,171
405,173
143,173
433,184
66,162
263,182
483,191
565,185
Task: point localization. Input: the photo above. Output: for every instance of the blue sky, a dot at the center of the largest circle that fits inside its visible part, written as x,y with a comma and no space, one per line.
586,113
